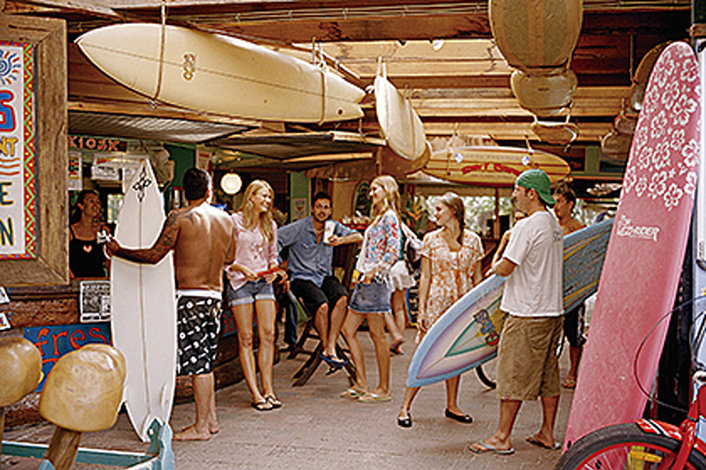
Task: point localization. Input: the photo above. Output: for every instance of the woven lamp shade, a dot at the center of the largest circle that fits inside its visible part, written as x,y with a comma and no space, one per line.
544,96
536,34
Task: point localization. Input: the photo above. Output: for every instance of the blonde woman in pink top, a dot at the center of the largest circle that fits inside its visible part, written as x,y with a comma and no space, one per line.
251,277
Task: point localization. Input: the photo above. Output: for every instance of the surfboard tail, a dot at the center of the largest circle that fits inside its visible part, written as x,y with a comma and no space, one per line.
149,424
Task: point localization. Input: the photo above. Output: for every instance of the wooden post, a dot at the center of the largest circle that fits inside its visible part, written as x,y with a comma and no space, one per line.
2,425
63,448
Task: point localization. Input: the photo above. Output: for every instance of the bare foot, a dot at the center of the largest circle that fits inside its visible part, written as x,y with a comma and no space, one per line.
213,427
191,434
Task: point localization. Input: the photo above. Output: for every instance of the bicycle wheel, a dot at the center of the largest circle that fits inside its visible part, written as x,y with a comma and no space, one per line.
625,447
486,374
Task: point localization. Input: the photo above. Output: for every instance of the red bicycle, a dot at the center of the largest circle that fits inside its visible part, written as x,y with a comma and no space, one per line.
646,444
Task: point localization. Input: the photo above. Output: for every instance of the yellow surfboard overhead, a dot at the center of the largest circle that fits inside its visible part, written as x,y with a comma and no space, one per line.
219,74
493,166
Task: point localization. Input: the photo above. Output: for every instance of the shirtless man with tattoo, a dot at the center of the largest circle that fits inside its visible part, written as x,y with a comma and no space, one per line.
202,238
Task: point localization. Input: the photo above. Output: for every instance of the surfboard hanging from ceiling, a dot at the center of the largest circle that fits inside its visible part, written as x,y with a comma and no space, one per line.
492,165
219,74
399,122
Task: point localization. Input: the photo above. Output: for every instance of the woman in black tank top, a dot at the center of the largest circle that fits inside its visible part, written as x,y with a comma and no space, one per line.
86,257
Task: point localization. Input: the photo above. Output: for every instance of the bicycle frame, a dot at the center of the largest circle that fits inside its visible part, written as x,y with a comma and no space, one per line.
686,432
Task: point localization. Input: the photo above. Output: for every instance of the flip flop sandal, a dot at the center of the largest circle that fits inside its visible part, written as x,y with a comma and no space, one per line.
334,362
351,393
569,383
395,347
534,441
486,448
373,398
273,401
262,405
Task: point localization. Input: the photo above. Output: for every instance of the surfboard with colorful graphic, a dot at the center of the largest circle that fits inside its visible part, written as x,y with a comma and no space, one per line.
467,335
493,165
644,259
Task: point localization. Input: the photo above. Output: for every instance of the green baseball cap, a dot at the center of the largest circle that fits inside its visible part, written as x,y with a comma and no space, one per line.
539,181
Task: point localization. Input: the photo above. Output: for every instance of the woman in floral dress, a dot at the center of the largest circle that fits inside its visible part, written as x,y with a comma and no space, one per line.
451,258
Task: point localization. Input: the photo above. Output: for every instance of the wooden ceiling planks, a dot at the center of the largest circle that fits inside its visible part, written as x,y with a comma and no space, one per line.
463,85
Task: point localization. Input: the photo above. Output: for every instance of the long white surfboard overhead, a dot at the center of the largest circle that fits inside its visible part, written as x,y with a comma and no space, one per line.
219,74
143,308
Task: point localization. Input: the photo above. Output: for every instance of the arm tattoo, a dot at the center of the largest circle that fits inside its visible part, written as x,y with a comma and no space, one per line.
165,242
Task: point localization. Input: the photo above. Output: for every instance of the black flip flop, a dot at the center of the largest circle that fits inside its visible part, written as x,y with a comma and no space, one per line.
263,405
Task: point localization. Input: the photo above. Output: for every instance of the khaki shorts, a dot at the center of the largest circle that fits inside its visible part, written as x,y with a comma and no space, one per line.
527,363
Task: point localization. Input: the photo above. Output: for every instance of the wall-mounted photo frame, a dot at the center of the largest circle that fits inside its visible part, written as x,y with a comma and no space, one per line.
361,199
43,258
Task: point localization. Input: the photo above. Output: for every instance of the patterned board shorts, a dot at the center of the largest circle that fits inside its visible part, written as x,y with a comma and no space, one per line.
198,326
574,322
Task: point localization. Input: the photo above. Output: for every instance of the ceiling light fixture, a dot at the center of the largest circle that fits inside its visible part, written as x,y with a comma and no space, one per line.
231,183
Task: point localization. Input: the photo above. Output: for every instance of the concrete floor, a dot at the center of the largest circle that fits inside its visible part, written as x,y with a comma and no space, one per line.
318,430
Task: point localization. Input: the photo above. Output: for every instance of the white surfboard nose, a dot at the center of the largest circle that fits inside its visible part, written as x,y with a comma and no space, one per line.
115,49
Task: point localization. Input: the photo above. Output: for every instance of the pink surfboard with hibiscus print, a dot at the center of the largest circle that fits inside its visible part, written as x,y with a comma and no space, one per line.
646,249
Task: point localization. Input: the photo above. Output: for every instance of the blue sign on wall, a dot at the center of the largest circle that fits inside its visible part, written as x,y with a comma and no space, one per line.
55,341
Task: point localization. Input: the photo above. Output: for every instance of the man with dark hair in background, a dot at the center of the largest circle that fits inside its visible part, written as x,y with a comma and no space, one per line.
202,238
573,320
312,280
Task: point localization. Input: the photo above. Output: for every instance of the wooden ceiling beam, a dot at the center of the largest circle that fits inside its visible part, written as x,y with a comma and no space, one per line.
436,24
52,7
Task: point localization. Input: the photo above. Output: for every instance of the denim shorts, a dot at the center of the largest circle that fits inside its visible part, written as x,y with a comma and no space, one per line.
373,297
249,292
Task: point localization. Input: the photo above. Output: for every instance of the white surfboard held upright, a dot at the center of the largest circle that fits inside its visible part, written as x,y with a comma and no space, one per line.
143,308
219,74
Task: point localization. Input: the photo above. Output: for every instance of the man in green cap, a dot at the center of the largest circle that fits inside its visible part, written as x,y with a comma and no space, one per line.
527,364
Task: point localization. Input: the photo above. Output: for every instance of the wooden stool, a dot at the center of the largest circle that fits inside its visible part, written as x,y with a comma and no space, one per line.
307,369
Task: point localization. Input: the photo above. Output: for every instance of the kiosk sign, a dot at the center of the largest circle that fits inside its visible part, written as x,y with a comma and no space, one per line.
17,153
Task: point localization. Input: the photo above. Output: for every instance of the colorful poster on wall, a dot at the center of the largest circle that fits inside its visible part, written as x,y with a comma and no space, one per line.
18,238
75,175
203,160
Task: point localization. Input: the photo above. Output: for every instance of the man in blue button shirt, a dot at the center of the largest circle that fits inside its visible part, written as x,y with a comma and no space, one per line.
312,279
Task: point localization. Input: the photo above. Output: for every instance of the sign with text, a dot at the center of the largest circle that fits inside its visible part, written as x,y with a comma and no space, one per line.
17,155
55,341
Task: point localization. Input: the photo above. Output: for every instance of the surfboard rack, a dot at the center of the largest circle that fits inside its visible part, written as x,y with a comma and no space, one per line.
159,454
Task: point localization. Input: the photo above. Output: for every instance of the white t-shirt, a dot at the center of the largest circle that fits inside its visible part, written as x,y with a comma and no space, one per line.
534,288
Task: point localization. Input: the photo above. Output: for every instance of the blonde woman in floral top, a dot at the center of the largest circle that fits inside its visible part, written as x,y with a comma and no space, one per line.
451,259
371,298
251,276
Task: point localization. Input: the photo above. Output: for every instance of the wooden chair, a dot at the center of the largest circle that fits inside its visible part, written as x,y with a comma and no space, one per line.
307,369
